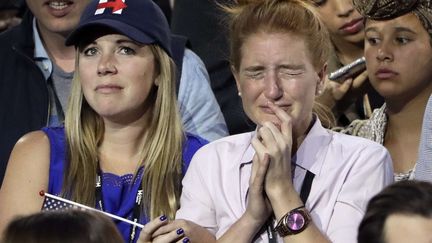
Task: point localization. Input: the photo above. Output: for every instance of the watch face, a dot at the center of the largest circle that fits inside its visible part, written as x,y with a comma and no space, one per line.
295,221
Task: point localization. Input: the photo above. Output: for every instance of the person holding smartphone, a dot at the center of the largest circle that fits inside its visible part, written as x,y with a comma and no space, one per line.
351,97
398,56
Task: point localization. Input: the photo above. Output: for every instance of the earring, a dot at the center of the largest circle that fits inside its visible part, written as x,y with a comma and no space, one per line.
239,93
156,82
319,88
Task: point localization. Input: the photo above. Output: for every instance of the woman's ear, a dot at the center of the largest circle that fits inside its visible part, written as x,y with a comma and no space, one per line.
237,79
157,80
321,80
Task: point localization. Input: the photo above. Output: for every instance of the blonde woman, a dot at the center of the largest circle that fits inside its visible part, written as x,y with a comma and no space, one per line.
122,149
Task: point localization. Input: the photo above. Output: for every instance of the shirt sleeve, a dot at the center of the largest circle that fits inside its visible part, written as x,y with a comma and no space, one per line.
200,112
196,202
423,169
370,173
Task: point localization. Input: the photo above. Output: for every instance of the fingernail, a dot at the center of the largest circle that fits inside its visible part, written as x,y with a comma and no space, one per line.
180,231
162,218
186,240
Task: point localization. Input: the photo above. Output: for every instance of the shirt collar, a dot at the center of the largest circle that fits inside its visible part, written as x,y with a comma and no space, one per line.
310,155
40,54
307,156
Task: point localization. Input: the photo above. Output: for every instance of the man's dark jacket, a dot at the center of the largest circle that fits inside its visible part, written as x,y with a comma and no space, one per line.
23,89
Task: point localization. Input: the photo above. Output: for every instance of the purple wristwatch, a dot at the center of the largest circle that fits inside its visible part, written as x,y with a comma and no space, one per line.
294,222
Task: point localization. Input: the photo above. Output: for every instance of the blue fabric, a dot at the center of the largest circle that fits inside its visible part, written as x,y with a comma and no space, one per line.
44,63
423,169
200,112
41,57
118,192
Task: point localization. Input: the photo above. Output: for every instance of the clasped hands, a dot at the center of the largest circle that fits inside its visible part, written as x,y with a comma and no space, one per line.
270,180
271,175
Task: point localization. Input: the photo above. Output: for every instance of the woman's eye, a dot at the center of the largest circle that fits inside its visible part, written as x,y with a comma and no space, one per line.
290,73
91,51
319,2
127,50
372,40
402,40
255,75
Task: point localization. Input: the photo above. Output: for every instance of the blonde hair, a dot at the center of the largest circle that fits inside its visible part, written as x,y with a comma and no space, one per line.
161,154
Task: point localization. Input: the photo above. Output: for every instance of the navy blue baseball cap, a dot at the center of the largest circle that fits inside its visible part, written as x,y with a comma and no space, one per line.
140,20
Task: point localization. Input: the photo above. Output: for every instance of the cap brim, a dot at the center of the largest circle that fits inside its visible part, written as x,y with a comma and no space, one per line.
133,33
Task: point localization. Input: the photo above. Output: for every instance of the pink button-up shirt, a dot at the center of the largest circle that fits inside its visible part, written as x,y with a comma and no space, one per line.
348,172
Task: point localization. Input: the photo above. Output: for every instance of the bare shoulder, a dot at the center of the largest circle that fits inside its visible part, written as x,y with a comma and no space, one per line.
32,142
26,174
31,151
31,155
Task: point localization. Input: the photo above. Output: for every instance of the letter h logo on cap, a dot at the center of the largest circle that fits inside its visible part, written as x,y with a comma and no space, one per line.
116,6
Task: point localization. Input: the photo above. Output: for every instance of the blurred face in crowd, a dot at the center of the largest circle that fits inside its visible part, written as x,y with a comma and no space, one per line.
343,22
400,228
8,19
57,16
117,75
277,68
398,57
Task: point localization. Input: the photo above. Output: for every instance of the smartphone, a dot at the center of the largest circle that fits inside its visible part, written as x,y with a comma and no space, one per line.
348,70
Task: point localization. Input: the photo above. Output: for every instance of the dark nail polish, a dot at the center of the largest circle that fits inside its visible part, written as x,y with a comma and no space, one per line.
162,218
180,231
186,240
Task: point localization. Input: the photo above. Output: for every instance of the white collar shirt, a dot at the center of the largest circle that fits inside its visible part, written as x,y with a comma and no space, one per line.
348,172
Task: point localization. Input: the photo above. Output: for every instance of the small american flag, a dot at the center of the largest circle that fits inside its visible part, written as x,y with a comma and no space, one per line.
56,203
52,204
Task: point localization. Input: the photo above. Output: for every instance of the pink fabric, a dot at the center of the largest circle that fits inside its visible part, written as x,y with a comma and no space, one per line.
348,172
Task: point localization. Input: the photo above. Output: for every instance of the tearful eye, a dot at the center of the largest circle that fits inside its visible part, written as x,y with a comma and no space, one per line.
254,75
290,73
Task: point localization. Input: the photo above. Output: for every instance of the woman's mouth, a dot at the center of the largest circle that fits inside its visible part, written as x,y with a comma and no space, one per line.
269,110
385,73
108,88
353,26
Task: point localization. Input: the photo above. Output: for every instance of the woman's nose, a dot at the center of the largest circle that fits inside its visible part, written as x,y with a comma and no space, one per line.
273,89
107,64
343,8
384,54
